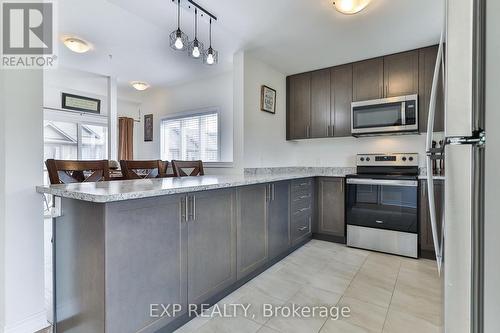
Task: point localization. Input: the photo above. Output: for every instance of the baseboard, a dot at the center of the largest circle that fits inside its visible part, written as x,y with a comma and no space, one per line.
329,238
31,324
428,254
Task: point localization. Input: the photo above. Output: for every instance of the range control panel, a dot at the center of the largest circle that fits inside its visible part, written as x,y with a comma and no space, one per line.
397,159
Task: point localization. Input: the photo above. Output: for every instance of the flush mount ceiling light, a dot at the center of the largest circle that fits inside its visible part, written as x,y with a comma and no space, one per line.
178,39
139,85
76,44
350,6
195,48
211,56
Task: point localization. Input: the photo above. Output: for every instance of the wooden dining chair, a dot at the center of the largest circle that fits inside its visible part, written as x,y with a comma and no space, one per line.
67,172
181,166
142,169
166,166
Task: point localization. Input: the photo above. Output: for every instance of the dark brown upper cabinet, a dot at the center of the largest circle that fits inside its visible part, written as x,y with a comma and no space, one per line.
341,95
299,106
401,74
368,79
320,104
427,62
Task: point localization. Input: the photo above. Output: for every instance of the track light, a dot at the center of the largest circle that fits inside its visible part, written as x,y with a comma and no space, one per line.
195,48
178,39
211,56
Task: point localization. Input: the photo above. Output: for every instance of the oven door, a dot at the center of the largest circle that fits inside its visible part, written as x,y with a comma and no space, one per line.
382,203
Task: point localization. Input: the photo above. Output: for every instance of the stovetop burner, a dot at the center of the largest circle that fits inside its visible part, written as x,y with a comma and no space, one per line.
387,166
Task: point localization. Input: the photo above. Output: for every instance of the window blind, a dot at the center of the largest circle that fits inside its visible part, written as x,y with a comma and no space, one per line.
194,137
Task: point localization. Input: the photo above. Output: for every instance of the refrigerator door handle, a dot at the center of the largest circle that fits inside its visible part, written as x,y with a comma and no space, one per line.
438,245
477,138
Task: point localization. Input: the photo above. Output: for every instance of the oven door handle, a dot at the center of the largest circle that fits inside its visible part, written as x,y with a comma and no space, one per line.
384,182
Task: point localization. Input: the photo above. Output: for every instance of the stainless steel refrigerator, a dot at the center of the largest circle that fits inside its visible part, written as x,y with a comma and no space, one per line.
468,254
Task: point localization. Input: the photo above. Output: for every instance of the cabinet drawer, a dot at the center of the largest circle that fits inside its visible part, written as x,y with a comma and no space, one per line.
301,198
301,228
301,186
301,207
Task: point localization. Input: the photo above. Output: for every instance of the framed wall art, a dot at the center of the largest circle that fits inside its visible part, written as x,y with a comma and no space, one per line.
268,99
148,127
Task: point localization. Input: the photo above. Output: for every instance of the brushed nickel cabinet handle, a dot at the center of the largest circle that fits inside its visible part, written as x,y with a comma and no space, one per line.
182,207
186,208
272,192
194,207
302,228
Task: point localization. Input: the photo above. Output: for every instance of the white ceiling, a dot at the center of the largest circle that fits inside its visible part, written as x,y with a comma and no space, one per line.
291,35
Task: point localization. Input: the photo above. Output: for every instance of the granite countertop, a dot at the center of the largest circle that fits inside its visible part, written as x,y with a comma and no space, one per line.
121,190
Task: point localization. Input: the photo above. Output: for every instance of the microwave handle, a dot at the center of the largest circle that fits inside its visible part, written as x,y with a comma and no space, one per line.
403,113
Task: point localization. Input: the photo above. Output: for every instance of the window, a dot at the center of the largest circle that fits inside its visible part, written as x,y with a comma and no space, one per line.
75,141
70,137
193,137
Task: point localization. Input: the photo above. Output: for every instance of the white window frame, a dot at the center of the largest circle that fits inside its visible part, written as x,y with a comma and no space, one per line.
79,118
192,113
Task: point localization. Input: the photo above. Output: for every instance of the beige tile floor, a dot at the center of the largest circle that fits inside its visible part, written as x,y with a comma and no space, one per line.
385,293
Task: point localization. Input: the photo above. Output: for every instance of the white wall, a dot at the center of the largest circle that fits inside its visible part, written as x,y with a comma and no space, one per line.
2,204
57,81
22,210
162,102
238,111
265,142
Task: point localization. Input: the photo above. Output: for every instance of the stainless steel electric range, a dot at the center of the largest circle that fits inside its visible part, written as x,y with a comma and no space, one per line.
382,204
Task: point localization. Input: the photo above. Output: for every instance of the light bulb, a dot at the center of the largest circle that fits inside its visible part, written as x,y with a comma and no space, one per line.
350,6
178,43
196,52
210,59
346,5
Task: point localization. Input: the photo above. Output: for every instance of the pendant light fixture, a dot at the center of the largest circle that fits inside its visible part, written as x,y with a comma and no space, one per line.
195,48
178,39
211,56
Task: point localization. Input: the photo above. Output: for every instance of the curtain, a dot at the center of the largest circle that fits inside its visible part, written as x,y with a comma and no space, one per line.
126,138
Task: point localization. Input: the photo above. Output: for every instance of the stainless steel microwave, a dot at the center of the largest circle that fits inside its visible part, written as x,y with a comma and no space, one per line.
385,116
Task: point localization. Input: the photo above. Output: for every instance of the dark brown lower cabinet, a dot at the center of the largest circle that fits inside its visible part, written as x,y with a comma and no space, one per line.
278,218
425,238
331,209
252,228
301,209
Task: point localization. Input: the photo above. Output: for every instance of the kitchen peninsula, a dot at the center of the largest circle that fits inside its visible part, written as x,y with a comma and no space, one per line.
121,246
